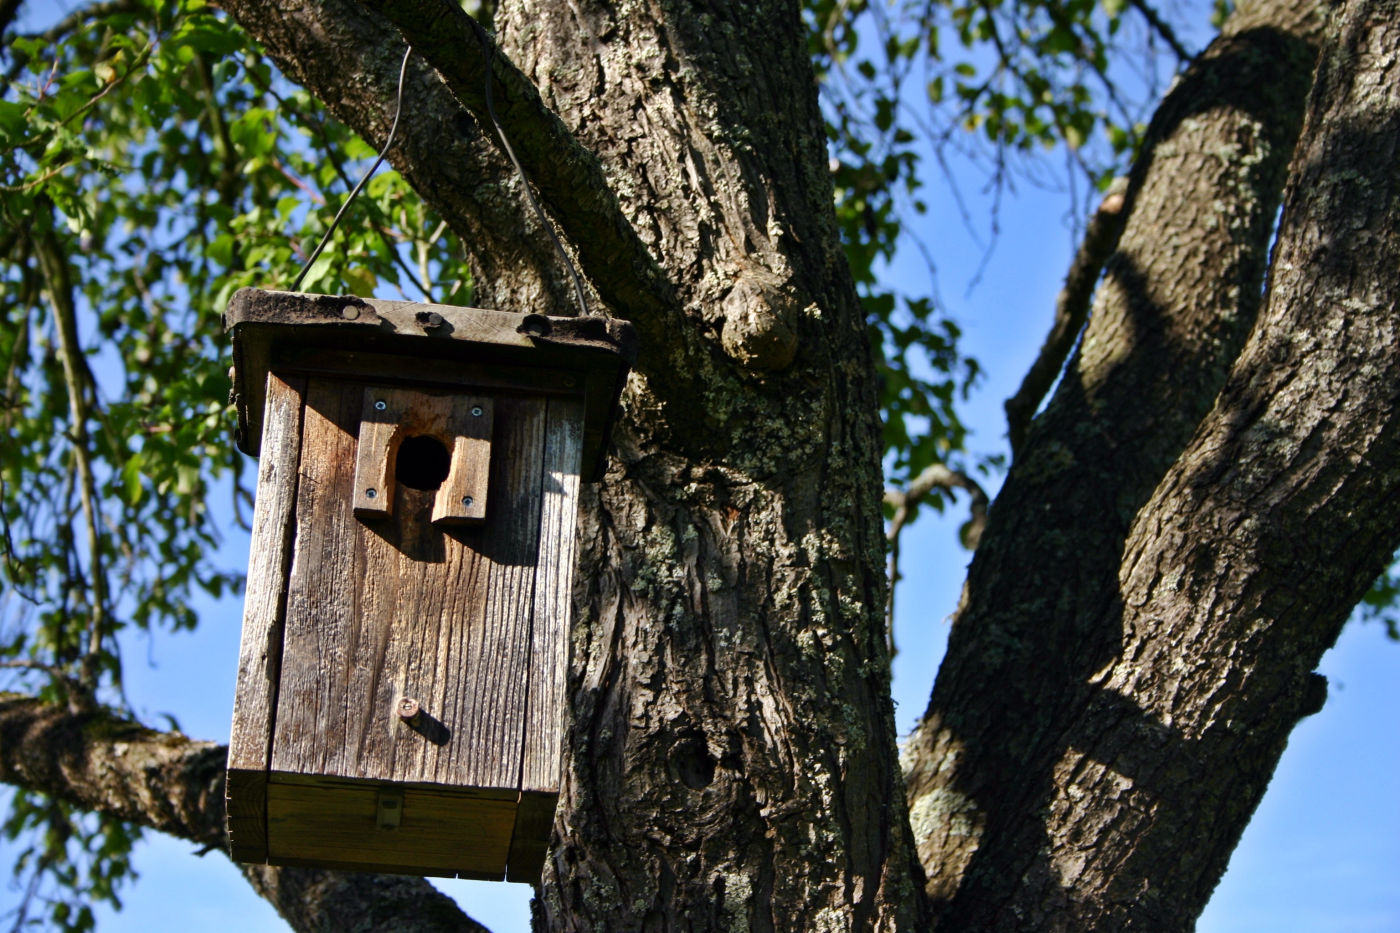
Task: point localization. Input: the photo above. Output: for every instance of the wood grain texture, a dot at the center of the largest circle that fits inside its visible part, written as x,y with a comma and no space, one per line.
462,498
259,653
441,832
496,679
534,818
398,608
374,461
553,609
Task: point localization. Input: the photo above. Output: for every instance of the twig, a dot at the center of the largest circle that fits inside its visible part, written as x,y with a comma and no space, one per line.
1071,309
80,699
1161,28
59,286
905,502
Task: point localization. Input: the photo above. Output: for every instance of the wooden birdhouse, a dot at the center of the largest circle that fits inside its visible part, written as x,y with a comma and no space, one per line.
401,679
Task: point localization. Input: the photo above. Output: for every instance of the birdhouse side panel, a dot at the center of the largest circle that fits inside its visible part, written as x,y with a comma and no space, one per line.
260,652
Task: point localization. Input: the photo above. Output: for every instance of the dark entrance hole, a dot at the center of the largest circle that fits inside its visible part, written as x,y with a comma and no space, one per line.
422,463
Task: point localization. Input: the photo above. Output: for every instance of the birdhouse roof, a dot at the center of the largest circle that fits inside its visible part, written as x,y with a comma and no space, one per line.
415,343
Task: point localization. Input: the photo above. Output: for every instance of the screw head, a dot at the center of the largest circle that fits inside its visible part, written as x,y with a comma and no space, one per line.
467,501
350,312
371,493
380,405
476,411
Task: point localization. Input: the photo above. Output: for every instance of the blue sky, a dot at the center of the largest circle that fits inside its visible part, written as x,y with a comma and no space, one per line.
1321,856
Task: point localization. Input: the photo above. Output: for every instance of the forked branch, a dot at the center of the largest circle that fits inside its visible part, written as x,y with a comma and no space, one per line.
936,476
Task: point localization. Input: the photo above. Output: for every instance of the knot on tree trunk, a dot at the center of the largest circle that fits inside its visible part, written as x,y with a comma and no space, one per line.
760,314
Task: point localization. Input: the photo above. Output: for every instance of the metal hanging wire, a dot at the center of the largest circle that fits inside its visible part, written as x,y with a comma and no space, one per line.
490,49
355,192
525,180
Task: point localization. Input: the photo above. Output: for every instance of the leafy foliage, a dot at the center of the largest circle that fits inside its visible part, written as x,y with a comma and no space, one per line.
153,162
999,83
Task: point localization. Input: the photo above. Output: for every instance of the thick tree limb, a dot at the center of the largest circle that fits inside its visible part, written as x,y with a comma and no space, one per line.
175,785
1044,613
345,54
569,177
1071,310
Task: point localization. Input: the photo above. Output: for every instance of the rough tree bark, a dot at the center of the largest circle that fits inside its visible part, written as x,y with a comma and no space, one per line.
1139,632
1181,535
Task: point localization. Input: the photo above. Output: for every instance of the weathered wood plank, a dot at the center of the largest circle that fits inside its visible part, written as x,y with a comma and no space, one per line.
316,713
553,608
493,699
462,498
529,843
245,807
260,650
374,458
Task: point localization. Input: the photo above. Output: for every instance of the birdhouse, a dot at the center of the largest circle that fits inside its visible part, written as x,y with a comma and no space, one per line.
401,680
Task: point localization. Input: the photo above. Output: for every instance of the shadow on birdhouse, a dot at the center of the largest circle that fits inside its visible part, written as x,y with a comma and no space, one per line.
401,680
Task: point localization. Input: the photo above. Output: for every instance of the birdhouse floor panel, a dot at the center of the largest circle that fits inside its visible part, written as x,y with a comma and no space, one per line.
442,831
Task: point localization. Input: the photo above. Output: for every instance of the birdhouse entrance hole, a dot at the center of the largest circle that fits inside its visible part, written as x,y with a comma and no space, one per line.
422,463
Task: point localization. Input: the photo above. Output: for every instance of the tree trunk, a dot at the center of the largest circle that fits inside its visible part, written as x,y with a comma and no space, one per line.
1140,629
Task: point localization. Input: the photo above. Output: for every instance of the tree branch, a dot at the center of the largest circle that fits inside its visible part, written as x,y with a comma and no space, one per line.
78,379
165,781
1162,29
569,177
906,501
1071,310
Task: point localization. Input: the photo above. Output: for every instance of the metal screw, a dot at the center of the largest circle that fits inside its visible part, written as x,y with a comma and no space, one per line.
371,493
570,381
476,411
380,405
409,711
350,312
467,501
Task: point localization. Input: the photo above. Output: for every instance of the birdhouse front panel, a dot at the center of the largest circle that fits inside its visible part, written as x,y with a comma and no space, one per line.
401,679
